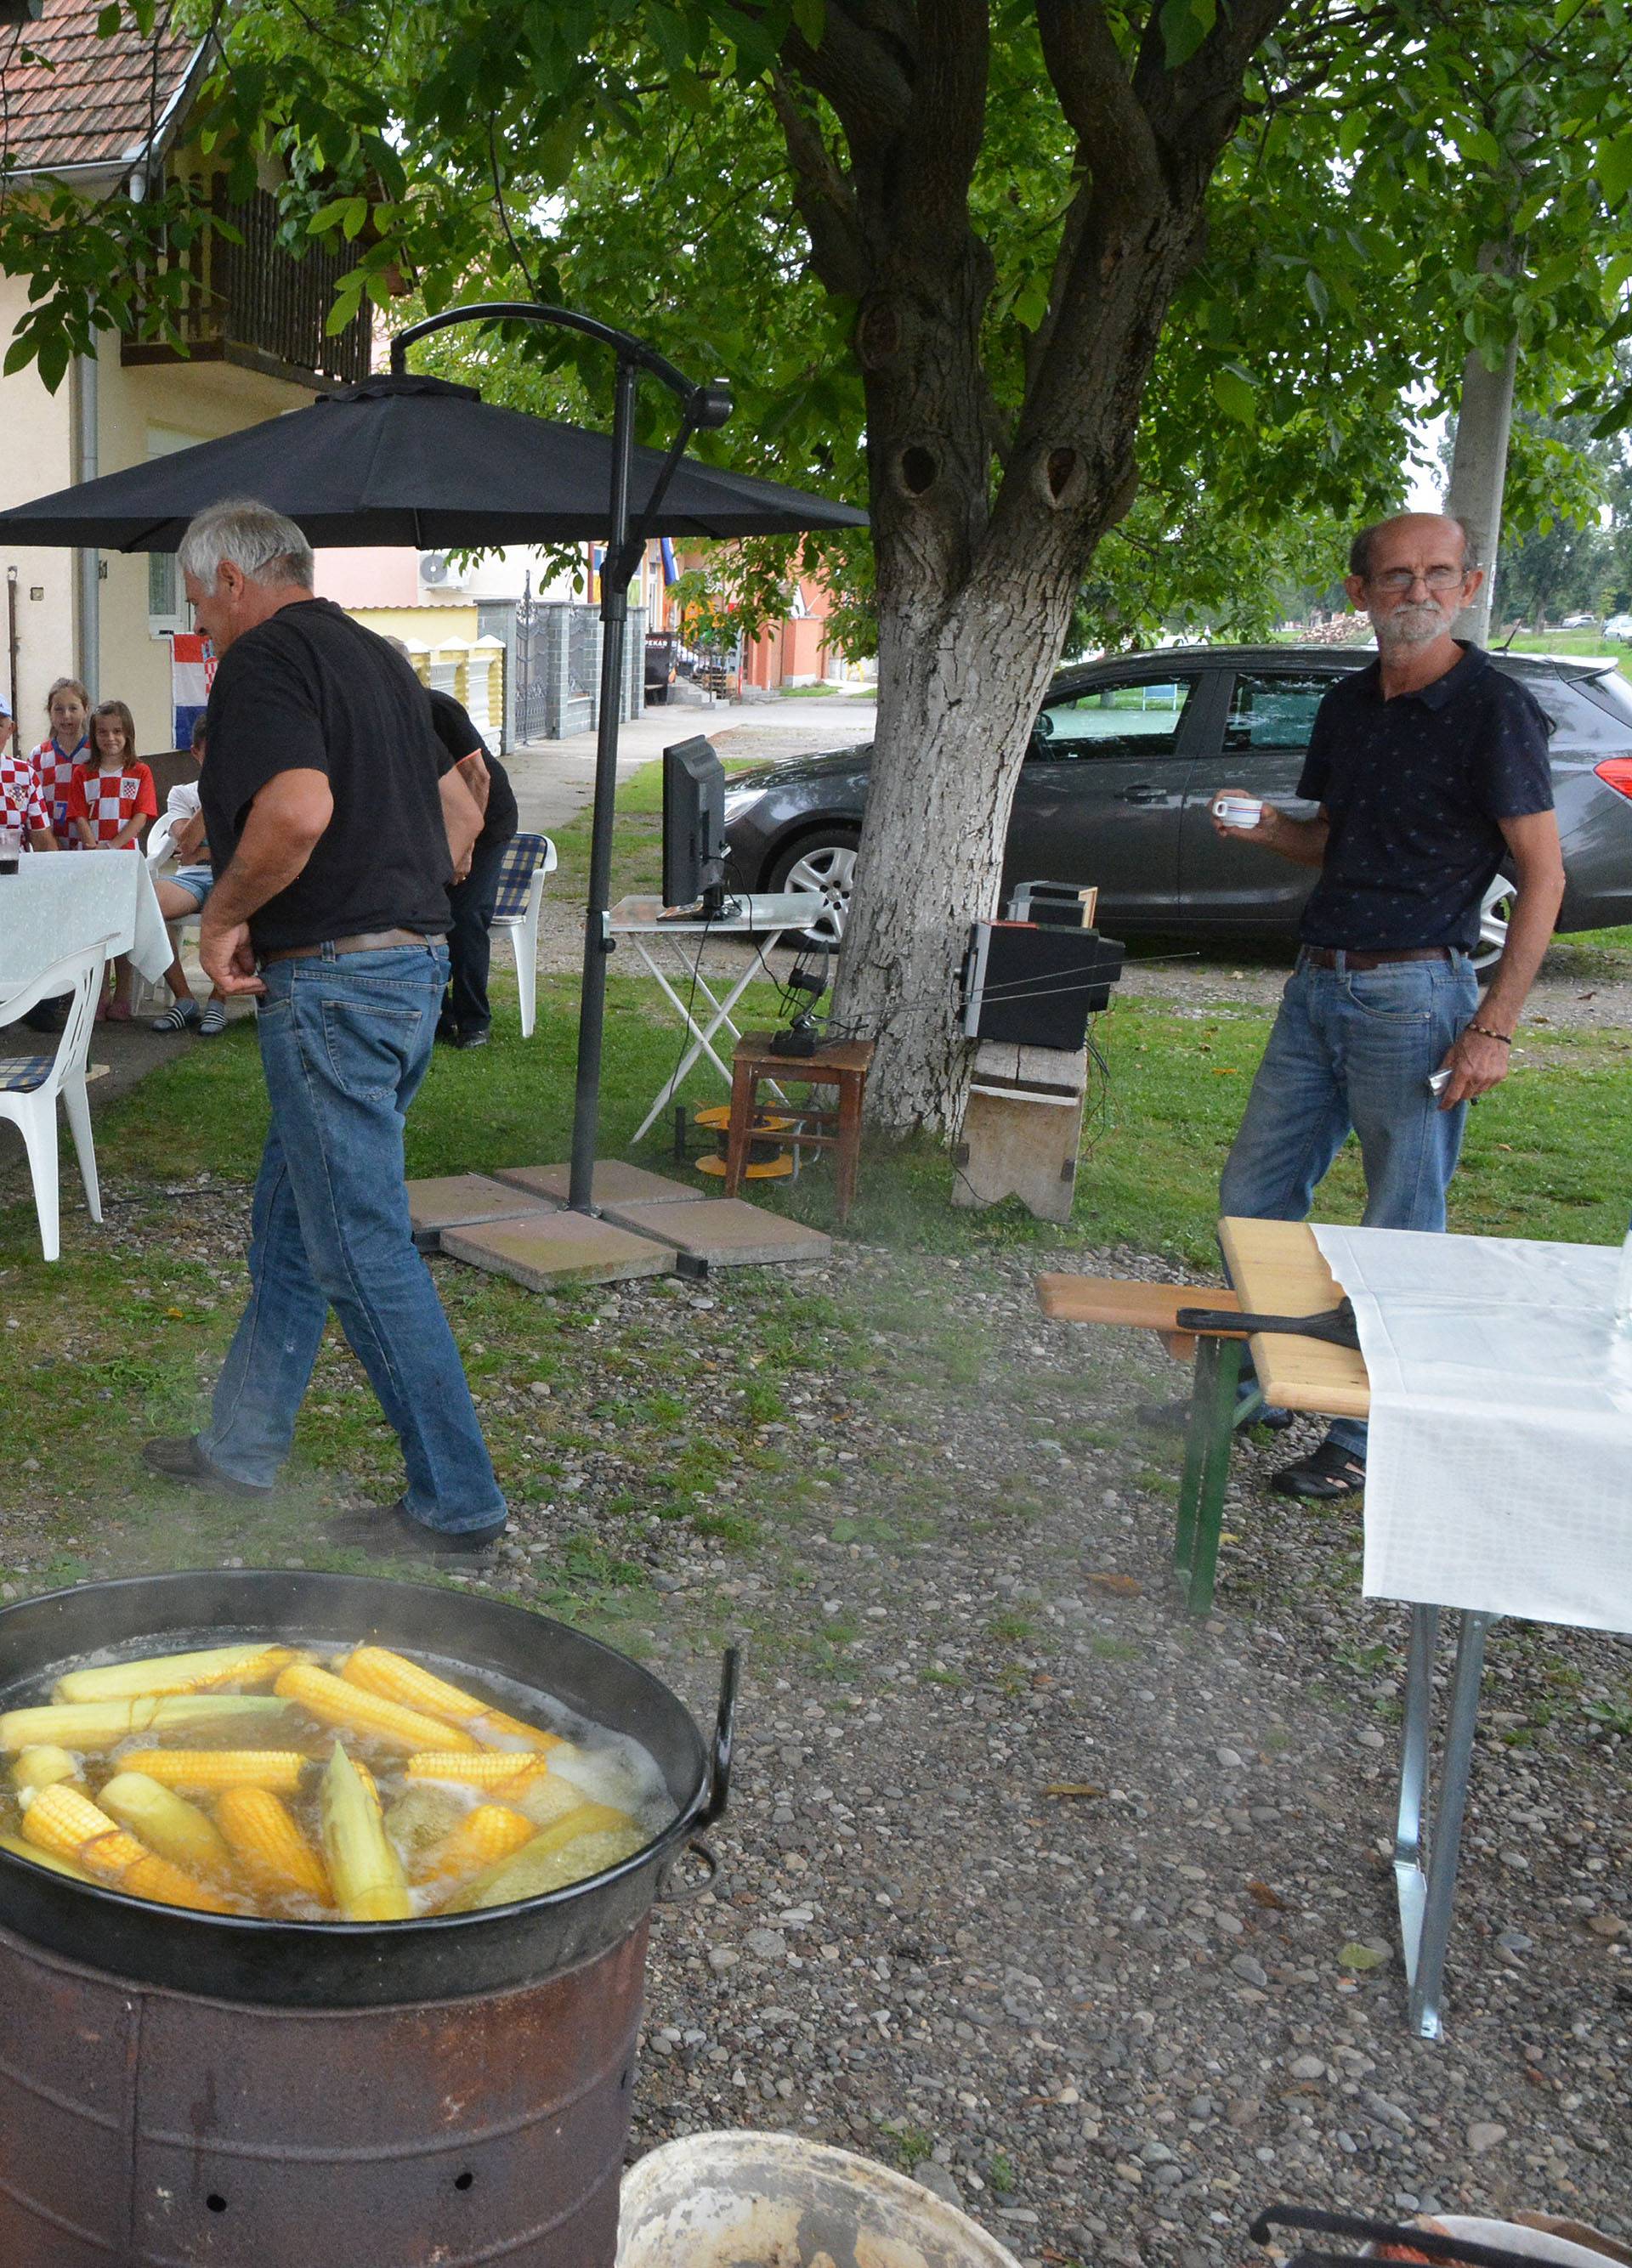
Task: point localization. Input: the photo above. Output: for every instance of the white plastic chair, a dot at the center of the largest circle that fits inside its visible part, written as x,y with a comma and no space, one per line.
146,989
30,1086
520,894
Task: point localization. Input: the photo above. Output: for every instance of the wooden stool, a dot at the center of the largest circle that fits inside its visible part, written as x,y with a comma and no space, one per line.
841,1064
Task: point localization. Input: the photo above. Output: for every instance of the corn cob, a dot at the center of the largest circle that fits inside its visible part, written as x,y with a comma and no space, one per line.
395,1678
546,1798
168,1823
495,1774
69,1825
217,1768
490,1833
35,1857
273,1855
351,1709
99,1725
175,1673
368,1875
421,1817
41,1767
527,1870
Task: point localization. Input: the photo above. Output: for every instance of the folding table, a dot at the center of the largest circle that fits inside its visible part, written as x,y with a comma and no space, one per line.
764,920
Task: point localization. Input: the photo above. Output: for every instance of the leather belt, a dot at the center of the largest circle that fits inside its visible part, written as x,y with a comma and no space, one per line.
368,941
1327,956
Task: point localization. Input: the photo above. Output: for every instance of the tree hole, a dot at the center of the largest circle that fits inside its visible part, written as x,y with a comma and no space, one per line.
1061,465
464,2181
215,2202
919,468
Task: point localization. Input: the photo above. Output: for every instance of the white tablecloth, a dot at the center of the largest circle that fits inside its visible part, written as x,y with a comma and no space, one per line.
1499,1465
58,902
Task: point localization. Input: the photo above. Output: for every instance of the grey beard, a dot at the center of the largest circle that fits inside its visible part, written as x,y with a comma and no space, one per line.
1408,626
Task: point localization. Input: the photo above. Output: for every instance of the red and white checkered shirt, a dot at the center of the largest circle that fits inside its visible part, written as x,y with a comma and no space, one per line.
108,801
20,806
55,773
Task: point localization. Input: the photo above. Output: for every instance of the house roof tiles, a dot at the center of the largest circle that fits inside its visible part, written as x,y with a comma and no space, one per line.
68,97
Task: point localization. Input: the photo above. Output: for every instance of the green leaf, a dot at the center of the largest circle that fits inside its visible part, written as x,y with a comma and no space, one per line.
1355,1956
1236,394
108,19
810,18
1613,168
1185,24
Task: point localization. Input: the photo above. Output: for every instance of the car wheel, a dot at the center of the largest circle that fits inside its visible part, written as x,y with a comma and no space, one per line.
825,864
1494,915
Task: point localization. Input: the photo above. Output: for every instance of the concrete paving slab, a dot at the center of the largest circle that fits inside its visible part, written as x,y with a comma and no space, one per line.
460,1200
548,1251
724,1232
614,1181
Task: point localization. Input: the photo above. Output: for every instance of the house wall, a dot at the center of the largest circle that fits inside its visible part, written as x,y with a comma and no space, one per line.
197,402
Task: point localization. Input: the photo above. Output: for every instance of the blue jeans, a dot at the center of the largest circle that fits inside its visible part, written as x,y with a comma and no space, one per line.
1353,1048
344,1042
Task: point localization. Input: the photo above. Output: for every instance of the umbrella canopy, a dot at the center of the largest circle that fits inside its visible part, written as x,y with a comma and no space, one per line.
413,461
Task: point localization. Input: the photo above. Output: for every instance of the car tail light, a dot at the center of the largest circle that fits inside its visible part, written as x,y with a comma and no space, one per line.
1616,772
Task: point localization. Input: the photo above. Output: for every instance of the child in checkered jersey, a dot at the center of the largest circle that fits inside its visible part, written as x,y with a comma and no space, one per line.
111,796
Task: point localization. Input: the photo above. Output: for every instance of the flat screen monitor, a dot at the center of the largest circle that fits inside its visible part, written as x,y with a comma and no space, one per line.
694,826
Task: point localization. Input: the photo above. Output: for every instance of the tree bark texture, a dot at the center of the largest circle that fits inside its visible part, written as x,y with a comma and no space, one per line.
977,571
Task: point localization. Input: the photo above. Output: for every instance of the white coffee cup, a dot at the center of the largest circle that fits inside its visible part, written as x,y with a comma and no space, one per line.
1242,811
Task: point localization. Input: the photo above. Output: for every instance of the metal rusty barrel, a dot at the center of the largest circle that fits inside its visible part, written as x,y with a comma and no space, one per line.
179,2088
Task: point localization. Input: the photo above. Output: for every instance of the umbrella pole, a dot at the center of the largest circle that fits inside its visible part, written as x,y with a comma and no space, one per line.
597,936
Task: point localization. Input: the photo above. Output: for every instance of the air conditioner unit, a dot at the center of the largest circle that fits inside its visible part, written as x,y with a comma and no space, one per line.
436,567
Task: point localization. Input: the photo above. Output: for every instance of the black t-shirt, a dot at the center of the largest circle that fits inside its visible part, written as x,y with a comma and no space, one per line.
451,721
311,691
1413,788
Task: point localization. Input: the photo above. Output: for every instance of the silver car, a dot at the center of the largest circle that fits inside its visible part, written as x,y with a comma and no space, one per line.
1124,760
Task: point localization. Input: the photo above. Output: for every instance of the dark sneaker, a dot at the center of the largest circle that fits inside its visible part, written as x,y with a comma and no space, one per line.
184,1461
448,1035
472,1038
391,1532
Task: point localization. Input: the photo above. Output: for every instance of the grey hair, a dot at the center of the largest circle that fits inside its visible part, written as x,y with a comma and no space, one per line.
261,543
1359,550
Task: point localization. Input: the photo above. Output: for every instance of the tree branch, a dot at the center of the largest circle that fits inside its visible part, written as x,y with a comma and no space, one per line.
826,201
1085,71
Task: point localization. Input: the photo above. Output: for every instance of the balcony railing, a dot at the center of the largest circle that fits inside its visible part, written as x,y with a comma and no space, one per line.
253,303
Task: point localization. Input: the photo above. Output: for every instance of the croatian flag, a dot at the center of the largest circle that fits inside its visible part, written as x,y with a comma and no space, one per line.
671,572
192,674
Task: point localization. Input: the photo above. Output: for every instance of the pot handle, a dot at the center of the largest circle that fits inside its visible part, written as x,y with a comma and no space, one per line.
725,1739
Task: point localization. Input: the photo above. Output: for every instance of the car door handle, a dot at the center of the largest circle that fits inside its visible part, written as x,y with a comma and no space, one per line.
1143,794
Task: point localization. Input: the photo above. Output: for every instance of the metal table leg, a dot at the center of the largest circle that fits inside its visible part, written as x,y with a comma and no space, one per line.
1207,1469
1427,1848
700,1033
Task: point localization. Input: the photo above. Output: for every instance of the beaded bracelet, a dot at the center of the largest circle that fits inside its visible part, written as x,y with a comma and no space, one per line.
1484,1032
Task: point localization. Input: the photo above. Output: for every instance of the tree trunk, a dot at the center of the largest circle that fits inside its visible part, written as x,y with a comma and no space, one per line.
1479,472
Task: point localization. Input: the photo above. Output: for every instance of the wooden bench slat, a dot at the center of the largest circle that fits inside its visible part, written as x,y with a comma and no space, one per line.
1137,1307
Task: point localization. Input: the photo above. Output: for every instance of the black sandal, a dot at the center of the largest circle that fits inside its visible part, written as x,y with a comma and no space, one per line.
1330,1473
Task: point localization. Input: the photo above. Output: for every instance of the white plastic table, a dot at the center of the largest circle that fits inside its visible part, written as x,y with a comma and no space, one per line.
765,919
59,903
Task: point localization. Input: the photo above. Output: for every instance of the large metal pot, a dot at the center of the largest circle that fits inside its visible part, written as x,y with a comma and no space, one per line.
179,2088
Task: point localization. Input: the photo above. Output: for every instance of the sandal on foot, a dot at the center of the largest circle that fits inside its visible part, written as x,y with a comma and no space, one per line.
1330,1472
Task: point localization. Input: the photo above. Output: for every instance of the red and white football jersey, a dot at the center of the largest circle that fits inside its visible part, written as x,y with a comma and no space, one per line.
20,806
55,773
108,801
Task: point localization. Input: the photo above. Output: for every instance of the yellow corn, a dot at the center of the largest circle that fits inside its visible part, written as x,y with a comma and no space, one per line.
273,1855
492,1832
548,1797
175,1673
215,1768
395,1678
493,1773
60,1820
19,1849
368,1875
168,1823
97,1725
353,1709
41,1767
527,1870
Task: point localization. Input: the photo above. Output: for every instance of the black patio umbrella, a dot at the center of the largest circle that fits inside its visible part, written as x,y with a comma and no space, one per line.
405,459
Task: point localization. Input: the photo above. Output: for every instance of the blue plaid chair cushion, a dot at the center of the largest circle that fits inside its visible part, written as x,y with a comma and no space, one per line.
523,860
21,1074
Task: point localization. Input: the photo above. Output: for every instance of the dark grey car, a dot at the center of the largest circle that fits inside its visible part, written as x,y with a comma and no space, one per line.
1125,758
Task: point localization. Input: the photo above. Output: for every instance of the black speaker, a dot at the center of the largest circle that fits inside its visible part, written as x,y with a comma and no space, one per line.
1036,986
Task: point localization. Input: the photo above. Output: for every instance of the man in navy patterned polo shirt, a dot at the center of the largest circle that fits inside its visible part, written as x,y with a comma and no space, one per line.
1430,770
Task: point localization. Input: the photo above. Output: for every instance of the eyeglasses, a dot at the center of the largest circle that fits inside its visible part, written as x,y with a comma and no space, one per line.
1401,579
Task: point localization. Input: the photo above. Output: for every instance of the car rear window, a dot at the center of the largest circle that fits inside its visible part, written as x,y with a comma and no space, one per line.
1611,691
1142,719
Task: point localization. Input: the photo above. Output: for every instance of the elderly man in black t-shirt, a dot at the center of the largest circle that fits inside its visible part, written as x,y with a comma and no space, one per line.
1430,770
337,822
